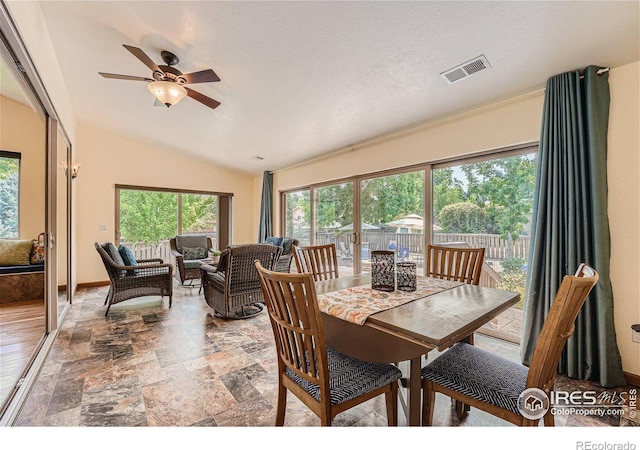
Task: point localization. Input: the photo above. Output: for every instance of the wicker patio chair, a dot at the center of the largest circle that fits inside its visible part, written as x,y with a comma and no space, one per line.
148,277
188,269
286,257
232,288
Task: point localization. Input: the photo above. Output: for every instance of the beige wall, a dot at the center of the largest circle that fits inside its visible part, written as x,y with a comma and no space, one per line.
505,124
623,166
108,160
23,130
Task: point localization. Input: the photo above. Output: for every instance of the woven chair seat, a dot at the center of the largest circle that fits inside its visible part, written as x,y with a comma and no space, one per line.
349,377
480,375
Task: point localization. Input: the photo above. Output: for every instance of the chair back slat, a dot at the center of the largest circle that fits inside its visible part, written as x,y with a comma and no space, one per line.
321,261
297,325
455,263
559,325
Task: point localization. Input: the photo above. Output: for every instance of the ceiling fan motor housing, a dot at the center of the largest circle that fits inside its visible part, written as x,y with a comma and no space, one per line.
169,74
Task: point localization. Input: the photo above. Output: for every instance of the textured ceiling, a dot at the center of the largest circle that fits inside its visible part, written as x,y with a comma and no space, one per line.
299,79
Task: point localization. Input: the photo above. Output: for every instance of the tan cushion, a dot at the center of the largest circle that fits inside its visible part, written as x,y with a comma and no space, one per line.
15,252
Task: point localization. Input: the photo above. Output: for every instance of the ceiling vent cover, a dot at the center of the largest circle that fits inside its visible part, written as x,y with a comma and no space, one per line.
466,69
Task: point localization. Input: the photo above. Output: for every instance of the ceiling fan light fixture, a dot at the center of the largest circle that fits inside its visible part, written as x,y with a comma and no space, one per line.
167,92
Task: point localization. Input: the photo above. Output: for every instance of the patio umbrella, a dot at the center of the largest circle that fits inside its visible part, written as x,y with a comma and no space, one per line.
365,226
412,222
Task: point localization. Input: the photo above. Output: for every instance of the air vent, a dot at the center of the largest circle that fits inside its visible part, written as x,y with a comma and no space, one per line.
466,69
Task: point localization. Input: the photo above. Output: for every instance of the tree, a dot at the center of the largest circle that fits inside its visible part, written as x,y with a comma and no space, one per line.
199,212
335,204
385,199
9,205
148,216
294,201
446,189
463,217
504,188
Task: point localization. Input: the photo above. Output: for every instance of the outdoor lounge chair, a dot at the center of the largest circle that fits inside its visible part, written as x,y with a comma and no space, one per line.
147,277
190,252
232,288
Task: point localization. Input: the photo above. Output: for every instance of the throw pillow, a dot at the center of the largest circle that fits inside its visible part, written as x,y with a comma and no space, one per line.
194,252
274,241
286,245
127,256
37,250
129,259
15,252
112,251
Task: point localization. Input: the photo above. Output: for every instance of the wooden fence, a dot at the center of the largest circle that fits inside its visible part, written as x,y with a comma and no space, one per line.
496,247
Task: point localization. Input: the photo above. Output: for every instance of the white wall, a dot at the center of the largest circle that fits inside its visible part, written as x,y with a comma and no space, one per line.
108,160
505,124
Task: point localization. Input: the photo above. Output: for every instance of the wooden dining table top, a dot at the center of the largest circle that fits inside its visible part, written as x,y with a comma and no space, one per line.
440,319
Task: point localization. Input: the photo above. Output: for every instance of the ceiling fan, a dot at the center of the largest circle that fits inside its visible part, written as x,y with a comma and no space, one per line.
168,83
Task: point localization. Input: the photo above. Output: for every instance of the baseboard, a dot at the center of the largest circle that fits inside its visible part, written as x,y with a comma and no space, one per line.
632,379
92,284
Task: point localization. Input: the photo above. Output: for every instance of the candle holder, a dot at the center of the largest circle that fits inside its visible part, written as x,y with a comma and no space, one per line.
406,274
382,270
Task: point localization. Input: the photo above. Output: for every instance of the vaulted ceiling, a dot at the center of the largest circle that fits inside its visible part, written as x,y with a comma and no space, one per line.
299,79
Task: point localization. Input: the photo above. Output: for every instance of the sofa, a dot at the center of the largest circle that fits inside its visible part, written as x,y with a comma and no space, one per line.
21,269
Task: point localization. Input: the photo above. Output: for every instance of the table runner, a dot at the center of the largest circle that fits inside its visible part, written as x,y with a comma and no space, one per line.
357,303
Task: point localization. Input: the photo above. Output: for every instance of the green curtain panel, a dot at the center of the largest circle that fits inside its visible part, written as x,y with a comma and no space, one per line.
265,228
570,224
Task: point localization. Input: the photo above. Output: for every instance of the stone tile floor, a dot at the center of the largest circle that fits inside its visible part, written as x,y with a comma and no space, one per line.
148,365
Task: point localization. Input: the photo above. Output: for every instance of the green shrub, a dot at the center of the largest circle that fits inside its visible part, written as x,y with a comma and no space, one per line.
512,265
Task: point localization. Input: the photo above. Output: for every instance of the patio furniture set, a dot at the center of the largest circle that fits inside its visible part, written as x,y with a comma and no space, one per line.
230,285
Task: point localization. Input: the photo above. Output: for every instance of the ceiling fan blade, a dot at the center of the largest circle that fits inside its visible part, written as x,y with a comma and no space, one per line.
203,76
142,56
124,77
208,101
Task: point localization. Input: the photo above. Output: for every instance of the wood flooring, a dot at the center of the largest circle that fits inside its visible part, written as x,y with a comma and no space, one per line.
22,327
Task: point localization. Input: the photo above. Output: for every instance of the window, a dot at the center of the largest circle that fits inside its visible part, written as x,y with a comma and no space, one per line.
147,218
9,194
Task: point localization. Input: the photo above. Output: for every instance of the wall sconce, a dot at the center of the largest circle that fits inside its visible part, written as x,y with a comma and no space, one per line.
74,168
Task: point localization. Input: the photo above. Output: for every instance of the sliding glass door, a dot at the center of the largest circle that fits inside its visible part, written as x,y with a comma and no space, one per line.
147,218
334,222
392,212
488,203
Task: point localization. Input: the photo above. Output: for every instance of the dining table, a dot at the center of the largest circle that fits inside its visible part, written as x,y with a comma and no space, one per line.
422,322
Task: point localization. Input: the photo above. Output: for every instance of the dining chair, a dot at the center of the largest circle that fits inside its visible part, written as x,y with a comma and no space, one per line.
493,384
462,264
321,261
455,263
325,380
